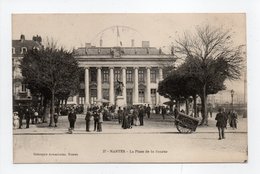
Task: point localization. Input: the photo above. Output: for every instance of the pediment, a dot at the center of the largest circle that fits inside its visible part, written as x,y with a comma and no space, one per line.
93,85
141,85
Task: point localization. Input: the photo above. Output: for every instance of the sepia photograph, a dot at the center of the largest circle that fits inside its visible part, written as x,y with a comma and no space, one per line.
129,88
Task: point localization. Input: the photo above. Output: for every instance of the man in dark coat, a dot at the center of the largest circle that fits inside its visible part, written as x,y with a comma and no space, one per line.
120,115
72,118
20,115
148,111
88,118
141,116
27,117
163,112
125,119
96,118
221,123
233,122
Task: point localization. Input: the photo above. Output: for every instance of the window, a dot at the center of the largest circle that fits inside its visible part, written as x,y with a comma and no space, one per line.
105,94
141,75
23,50
81,100
93,96
153,76
129,77
153,96
141,96
129,96
105,76
13,50
36,48
70,99
93,76
117,75
93,92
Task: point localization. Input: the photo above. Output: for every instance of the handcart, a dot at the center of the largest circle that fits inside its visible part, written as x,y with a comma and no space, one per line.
186,124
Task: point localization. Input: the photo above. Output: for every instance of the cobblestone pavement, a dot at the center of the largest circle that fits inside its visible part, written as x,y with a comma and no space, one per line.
156,135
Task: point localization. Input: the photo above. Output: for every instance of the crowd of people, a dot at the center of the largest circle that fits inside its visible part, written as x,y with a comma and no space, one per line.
33,115
127,117
38,115
132,114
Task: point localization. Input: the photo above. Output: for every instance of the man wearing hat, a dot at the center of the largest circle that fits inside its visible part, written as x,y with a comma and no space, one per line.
221,123
72,118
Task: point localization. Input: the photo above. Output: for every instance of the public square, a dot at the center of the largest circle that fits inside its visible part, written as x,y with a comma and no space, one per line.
115,70
156,135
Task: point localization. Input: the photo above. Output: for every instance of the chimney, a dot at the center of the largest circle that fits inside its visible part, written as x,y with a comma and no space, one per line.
145,44
37,38
132,43
22,38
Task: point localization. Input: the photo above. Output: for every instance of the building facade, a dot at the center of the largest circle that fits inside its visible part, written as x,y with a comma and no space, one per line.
21,94
139,68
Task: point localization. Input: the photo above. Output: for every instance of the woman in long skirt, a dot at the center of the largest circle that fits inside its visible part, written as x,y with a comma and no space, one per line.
100,121
125,119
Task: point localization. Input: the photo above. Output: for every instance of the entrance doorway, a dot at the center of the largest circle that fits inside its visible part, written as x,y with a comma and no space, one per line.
129,96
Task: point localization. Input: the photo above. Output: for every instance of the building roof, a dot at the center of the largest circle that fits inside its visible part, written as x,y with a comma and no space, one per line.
122,56
122,50
29,44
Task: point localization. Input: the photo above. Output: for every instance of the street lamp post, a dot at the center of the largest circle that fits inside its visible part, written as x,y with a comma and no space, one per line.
232,97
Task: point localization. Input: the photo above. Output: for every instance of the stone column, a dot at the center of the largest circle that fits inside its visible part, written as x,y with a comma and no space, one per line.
160,74
160,79
148,85
86,87
111,86
99,85
124,82
136,90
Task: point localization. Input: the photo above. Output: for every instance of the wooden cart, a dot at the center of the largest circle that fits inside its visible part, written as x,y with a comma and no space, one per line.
186,124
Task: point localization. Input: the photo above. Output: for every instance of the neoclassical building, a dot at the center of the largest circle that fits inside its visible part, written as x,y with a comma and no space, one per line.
139,68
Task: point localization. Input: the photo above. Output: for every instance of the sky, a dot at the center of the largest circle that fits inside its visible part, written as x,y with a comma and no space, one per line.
74,30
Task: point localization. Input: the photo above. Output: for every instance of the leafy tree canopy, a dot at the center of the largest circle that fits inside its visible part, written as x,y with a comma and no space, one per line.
50,70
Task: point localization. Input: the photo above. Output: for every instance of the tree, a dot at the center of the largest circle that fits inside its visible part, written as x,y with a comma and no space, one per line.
51,72
176,86
210,59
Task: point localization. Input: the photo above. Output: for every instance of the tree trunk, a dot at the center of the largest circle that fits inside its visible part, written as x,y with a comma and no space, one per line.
204,107
187,106
44,116
52,106
42,98
171,108
195,105
178,105
58,107
66,102
62,105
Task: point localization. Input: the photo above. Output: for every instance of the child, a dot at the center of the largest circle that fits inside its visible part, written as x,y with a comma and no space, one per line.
16,120
55,119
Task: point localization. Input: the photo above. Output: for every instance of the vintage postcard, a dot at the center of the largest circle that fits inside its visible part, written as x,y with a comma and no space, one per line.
129,88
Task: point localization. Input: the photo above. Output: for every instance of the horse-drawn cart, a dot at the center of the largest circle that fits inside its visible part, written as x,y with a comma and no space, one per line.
185,123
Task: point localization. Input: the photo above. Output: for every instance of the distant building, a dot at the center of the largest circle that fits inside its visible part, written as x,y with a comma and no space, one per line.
139,68
21,93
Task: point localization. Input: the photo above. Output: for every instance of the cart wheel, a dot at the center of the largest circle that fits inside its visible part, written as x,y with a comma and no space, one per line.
185,126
